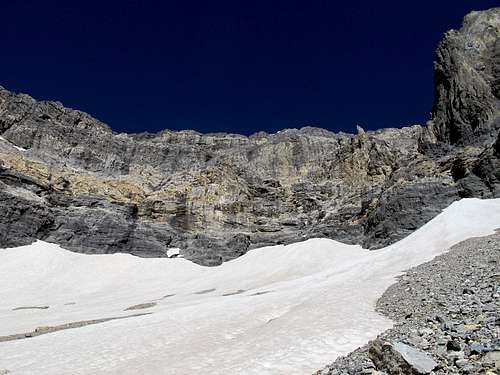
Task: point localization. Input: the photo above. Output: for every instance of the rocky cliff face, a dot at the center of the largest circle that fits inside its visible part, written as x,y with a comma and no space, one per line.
67,178
467,81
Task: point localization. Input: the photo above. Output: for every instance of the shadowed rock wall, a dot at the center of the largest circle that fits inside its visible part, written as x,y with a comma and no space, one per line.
67,178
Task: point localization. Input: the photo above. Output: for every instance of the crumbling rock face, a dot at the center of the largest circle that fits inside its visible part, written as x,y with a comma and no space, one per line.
67,178
467,81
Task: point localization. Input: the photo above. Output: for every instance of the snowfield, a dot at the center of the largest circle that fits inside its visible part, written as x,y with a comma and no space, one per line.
276,310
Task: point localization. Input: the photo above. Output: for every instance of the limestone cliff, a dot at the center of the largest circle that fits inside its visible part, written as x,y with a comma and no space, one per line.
467,81
67,178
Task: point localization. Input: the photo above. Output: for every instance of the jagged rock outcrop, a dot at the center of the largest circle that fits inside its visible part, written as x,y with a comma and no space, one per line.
67,178
467,81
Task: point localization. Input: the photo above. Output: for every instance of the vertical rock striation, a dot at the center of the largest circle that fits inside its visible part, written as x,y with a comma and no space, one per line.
65,177
467,81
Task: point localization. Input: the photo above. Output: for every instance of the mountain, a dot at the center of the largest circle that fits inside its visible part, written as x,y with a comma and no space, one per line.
67,178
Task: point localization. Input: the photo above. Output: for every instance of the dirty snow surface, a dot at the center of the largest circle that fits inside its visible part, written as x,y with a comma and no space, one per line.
276,310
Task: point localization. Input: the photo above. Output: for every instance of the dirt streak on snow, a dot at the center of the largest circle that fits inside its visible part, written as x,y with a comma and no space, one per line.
281,309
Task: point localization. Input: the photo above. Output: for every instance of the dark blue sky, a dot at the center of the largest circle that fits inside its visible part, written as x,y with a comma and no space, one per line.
237,66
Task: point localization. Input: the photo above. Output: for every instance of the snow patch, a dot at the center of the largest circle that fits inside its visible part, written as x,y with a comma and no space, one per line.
173,252
276,310
12,144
